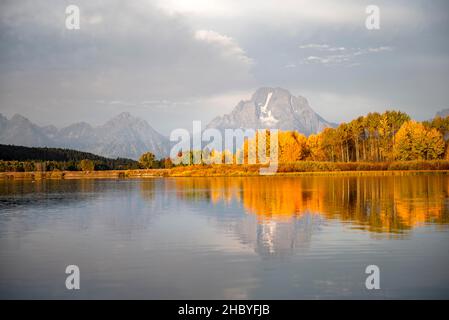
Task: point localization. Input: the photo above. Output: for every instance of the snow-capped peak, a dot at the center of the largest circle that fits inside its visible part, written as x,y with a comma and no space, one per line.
265,114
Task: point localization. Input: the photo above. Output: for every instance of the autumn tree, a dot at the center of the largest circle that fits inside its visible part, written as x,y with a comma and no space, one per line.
358,135
251,153
87,165
292,146
328,142
147,160
315,148
168,163
372,123
442,125
414,141
389,124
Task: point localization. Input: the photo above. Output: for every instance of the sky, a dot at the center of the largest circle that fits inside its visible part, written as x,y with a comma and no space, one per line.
174,61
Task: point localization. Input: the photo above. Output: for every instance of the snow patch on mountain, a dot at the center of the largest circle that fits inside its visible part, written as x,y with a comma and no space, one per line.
265,115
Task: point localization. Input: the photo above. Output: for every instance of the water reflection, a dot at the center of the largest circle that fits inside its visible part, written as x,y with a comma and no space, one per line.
276,238
258,237
283,213
385,204
44,192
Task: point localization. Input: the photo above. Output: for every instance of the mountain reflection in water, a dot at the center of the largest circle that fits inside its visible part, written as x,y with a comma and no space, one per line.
250,237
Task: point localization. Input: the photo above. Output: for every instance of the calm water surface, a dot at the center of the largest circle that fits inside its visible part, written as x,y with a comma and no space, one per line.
231,238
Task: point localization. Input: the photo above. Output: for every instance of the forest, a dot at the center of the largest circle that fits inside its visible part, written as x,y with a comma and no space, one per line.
19,159
391,136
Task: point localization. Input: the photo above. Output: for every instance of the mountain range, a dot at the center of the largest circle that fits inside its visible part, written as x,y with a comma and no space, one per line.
123,136
126,136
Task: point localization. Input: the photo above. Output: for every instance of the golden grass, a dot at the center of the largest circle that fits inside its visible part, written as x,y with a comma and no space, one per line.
223,170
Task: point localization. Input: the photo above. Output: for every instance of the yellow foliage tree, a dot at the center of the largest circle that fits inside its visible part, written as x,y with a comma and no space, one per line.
315,147
292,146
87,165
147,160
416,142
251,153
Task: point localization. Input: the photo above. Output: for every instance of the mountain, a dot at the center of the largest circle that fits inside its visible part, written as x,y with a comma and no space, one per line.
123,136
273,108
21,131
129,136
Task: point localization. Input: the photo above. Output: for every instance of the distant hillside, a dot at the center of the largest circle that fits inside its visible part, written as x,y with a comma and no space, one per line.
20,153
123,136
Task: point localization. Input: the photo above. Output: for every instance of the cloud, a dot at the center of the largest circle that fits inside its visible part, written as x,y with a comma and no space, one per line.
229,47
290,12
179,53
325,54
124,50
321,47
314,46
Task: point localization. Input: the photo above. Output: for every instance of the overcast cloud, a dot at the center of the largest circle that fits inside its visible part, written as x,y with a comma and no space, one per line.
172,62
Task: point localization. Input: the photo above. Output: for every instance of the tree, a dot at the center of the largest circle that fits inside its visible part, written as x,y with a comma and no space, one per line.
416,142
292,146
372,123
147,160
357,133
315,147
87,165
442,125
344,139
168,163
251,152
390,123
328,142
435,146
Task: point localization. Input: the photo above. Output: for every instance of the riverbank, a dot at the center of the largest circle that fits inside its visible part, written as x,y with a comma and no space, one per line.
104,174
291,169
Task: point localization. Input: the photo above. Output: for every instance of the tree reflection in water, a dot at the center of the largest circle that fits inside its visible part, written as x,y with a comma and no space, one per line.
289,209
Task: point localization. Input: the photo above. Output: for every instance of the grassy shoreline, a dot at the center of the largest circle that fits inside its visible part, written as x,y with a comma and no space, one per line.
305,168
67,175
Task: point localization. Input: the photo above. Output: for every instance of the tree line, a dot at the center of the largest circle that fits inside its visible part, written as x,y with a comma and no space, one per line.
20,158
376,137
